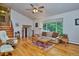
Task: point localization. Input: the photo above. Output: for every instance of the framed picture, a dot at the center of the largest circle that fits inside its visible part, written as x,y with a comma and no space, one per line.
77,21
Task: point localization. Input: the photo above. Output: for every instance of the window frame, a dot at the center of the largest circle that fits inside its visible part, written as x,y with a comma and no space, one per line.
61,32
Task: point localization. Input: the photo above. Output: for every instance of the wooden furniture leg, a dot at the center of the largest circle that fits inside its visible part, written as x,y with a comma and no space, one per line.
6,54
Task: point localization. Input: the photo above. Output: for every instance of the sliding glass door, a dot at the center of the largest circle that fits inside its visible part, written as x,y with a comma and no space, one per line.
53,27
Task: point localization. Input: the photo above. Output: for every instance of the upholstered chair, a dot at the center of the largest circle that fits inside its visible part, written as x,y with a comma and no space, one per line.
7,43
5,39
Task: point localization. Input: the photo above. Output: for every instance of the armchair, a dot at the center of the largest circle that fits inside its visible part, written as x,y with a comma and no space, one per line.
7,43
5,49
6,40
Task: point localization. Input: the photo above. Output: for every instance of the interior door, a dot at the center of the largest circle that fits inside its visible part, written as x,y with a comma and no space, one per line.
25,32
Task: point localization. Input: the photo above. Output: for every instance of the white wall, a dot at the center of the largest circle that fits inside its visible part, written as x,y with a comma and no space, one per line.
21,20
69,26
38,30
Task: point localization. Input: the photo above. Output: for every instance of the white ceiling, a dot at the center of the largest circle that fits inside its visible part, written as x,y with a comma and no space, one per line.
49,10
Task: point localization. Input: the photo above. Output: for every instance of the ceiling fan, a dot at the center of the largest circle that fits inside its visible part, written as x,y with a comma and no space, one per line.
36,9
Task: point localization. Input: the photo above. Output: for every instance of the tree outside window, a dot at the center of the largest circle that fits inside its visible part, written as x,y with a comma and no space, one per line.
53,27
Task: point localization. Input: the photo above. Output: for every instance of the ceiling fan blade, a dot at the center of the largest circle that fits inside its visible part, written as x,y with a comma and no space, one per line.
41,7
32,5
40,11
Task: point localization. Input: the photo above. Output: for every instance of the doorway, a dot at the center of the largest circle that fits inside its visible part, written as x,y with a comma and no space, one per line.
26,31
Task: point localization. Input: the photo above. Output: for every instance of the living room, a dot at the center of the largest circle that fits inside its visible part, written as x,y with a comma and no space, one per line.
34,24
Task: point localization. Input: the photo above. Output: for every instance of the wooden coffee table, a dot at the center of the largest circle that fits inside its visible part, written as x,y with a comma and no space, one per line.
44,40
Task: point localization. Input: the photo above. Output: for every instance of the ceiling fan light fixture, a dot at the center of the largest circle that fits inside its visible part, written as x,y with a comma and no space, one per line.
35,10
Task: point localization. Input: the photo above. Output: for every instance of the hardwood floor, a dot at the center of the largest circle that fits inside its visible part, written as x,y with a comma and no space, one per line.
26,48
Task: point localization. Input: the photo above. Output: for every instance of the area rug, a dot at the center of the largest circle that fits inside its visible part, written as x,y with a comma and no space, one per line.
41,44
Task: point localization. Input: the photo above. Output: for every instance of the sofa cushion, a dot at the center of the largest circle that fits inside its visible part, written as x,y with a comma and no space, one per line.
44,33
55,34
49,34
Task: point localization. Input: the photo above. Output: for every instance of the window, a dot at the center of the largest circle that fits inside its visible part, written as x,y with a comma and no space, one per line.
53,27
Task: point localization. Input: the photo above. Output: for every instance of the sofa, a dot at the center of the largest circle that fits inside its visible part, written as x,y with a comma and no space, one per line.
52,36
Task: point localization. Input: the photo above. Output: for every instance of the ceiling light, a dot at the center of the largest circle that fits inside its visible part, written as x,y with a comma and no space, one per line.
35,10
2,11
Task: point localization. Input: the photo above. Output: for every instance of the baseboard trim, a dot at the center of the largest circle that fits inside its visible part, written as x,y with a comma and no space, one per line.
74,43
